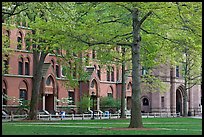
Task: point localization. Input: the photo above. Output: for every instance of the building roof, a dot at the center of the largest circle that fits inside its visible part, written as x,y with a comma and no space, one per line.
45,68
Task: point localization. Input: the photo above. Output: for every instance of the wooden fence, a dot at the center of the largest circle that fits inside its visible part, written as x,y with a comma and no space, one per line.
85,116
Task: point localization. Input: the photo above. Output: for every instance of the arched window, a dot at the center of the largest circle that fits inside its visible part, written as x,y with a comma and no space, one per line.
20,66
7,34
27,67
108,73
162,101
129,86
74,71
53,64
6,64
93,84
28,42
145,102
23,91
63,71
99,72
48,81
112,74
19,40
71,96
23,94
57,71
110,92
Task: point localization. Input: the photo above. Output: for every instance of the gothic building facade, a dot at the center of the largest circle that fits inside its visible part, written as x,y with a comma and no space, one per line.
17,83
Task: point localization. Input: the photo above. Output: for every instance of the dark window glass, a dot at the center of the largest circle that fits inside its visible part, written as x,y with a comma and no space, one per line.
92,84
71,97
5,67
19,45
145,102
108,74
93,54
27,71
110,95
99,73
27,44
48,81
129,86
57,71
52,63
177,71
64,71
162,102
20,68
112,74
23,94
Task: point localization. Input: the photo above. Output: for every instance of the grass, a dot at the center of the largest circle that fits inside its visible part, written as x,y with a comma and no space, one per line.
167,126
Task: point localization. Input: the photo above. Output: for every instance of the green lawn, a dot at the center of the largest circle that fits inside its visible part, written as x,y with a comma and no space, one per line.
167,126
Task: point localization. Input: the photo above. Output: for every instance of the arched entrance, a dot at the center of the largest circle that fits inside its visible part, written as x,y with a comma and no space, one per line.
94,88
23,96
49,94
179,100
145,105
129,105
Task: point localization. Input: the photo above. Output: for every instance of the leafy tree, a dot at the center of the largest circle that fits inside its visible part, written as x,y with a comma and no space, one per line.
188,49
109,102
41,17
84,103
104,24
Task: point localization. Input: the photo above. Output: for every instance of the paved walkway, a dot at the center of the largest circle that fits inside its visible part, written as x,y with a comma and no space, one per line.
199,117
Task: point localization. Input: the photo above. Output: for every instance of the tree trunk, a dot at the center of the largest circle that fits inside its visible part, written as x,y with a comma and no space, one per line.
136,117
185,86
38,61
122,115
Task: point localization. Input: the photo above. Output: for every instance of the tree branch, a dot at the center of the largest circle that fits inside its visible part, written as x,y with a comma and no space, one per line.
144,18
125,7
159,35
14,9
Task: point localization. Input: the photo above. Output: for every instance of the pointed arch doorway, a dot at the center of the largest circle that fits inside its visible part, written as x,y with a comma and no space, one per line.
49,95
179,100
94,88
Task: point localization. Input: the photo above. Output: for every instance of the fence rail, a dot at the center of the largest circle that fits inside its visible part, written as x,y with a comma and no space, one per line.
85,116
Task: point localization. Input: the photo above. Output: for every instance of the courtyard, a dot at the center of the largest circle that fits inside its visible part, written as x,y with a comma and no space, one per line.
152,126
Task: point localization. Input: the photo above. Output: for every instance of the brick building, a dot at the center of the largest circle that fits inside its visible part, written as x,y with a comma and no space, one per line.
17,82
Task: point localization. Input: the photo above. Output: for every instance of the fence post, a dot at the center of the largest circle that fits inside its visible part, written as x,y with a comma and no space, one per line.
83,116
109,115
12,116
49,116
100,115
72,116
